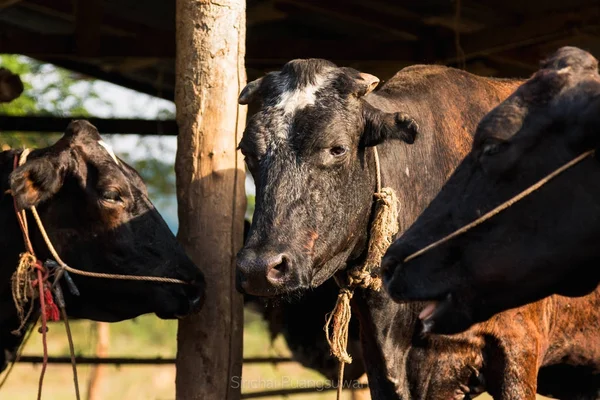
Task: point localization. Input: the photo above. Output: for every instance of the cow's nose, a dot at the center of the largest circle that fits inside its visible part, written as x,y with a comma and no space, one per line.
262,274
277,268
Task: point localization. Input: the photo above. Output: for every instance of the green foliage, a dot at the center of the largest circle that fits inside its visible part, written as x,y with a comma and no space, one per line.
50,90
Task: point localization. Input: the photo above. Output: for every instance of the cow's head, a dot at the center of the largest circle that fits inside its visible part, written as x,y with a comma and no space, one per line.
546,243
98,215
309,150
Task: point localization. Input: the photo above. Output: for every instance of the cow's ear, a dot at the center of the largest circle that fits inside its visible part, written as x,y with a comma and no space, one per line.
366,83
248,94
381,126
36,181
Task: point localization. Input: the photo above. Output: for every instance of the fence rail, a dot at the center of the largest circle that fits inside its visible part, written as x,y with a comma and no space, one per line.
138,361
43,124
117,361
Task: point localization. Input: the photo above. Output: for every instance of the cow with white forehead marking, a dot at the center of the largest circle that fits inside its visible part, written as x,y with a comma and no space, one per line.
306,152
309,148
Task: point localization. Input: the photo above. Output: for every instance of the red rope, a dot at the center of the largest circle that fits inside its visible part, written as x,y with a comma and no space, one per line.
44,331
49,309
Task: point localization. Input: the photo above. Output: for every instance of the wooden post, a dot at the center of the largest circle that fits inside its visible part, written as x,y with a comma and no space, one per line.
98,371
210,189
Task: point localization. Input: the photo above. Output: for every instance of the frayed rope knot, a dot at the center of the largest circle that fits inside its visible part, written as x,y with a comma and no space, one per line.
22,288
24,280
339,319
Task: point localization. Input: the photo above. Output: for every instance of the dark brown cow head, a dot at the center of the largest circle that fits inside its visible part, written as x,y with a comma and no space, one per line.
544,244
308,149
99,217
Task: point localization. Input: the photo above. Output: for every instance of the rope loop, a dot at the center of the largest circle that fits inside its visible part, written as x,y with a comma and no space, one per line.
383,227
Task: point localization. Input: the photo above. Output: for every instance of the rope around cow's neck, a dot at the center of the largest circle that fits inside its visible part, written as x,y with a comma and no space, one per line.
502,206
76,271
23,289
383,228
45,290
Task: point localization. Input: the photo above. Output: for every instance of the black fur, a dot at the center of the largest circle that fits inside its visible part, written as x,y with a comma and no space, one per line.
545,244
73,185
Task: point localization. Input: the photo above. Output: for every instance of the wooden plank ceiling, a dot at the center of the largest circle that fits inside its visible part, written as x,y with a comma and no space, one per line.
132,42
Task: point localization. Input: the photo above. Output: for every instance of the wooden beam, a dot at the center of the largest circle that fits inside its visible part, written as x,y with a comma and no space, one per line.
88,23
63,9
358,14
259,48
210,75
9,123
39,45
8,3
164,91
543,28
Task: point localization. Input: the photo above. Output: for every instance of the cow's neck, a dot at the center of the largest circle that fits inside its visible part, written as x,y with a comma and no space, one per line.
387,328
386,335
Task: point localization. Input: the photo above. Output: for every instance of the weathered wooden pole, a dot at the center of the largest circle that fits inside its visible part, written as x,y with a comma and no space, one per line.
210,74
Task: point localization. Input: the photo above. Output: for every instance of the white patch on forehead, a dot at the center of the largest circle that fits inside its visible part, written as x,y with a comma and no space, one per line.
109,150
292,100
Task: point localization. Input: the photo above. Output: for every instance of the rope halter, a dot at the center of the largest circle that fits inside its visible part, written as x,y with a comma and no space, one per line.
31,272
510,202
382,230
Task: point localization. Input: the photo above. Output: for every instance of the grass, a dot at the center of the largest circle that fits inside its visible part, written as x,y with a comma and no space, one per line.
148,336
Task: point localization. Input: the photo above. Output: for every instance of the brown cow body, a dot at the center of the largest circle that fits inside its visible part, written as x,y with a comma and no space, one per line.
308,148
502,355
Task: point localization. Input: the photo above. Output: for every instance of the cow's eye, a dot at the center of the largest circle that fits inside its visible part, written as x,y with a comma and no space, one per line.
492,146
490,149
338,151
112,196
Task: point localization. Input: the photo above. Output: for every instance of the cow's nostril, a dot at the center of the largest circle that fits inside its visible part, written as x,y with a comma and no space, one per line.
388,266
278,267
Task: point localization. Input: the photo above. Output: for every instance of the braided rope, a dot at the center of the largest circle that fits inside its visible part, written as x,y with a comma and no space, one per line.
382,230
22,284
63,265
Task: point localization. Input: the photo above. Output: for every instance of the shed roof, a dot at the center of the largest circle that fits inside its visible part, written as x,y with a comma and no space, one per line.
132,42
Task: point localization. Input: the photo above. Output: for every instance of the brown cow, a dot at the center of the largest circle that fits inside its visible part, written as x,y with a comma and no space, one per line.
309,148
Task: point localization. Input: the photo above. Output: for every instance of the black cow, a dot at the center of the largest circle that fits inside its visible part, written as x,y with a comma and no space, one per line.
541,245
97,213
300,321
309,148
11,86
